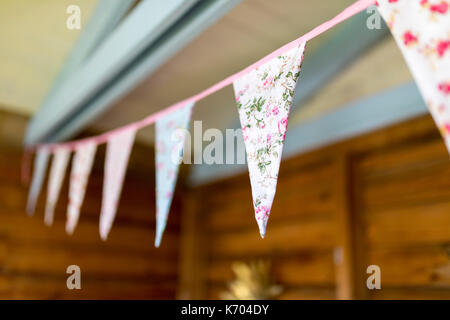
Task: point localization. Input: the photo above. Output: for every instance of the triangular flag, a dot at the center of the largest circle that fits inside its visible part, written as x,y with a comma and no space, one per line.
117,155
264,97
170,136
40,168
81,169
421,29
57,173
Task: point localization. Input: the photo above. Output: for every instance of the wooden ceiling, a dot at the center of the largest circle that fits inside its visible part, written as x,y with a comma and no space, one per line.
251,30
34,43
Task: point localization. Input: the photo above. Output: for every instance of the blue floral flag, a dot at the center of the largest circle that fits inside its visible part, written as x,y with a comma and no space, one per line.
170,136
264,97
40,169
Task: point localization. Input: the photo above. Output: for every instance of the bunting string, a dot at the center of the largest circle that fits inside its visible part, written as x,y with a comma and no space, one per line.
264,93
347,13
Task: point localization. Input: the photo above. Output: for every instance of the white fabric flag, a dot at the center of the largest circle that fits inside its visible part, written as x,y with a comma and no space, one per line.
81,169
40,168
421,29
117,155
264,97
57,172
170,137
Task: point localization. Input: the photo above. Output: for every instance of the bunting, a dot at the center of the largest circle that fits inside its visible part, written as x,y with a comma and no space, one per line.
421,29
117,155
81,169
57,172
40,168
264,93
170,136
264,97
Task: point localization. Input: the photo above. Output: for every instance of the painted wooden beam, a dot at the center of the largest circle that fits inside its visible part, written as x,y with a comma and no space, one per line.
198,20
103,20
146,23
349,41
369,114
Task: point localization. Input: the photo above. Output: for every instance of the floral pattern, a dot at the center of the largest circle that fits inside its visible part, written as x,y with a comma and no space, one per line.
57,173
81,169
40,169
264,97
421,28
170,135
117,156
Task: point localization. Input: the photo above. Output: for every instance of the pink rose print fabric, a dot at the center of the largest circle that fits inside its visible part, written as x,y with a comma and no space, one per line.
57,173
264,97
40,168
421,29
170,137
81,169
117,156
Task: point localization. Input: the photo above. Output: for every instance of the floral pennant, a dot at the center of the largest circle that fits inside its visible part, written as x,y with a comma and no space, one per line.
264,97
421,29
40,168
57,173
117,155
81,169
170,137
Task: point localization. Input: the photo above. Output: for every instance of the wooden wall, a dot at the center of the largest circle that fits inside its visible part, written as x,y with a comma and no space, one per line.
382,199
34,258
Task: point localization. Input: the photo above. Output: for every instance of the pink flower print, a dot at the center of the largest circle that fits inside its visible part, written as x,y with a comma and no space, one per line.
439,8
444,88
282,127
159,165
268,111
268,82
171,174
170,124
269,138
169,194
262,212
239,94
275,111
409,38
261,125
442,47
244,133
160,147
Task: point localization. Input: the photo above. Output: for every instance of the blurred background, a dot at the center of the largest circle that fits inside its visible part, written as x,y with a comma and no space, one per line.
365,177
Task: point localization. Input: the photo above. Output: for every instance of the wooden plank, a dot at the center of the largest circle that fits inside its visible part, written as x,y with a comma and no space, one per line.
302,269
47,287
312,202
418,225
427,185
410,294
29,258
280,238
407,157
346,224
131,238
412,266
192,265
